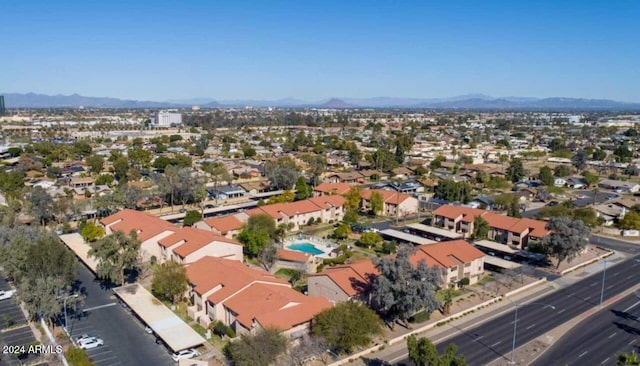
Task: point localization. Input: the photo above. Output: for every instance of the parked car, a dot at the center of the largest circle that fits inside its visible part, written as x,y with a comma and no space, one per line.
611,197
7,294
185,354
83,338
91,343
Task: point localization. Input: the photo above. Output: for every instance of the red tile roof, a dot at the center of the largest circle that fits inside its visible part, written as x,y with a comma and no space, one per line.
292,256
353,278
333,188
210,272
145,225
536,228
224,224
390,197
274,305
194,239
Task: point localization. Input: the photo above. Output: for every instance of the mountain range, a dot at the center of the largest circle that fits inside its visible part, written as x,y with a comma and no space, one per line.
464,102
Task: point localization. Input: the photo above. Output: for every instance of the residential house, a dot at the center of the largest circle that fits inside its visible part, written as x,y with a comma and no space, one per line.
248,299
227,226
503,229
326,189
619,186
187,245
394,203
297,260
349,177
457,258
149,229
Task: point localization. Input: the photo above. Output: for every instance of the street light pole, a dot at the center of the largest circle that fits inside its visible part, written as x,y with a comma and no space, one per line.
64,305
604,273
515,325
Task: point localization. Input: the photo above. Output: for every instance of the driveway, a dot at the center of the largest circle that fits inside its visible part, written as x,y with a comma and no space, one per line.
125,341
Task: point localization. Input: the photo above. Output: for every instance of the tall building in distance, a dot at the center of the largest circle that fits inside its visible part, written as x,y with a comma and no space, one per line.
167,118
2,110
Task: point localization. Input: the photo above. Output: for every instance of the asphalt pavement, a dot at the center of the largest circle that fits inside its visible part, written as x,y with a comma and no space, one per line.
125,341
483,343
599,339
15,331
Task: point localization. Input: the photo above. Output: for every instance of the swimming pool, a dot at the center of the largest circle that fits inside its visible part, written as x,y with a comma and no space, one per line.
305,248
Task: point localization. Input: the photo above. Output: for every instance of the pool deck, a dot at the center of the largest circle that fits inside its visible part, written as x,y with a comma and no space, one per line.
323,245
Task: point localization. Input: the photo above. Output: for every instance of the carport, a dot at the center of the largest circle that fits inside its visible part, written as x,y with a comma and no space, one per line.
500,263
177,334
404,237
496,246
76,243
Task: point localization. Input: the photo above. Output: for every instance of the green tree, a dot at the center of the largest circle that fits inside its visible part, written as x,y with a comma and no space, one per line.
95,162
587,215
262,348
353,198
348,325
515,171
342,232
422,352
370,239
546,176
116,253
282,173
41,204
91,232
120,167
514,209
630,221
376,203
480,228
403,289
599,154
258,233
567,238
590,178
303,190
170,281
351,217
104,179
78,357
191,217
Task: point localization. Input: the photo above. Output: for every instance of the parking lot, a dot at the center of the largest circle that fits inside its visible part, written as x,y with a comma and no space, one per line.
14,330
101,316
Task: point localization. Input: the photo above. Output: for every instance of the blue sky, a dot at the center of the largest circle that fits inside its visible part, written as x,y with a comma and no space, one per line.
313,50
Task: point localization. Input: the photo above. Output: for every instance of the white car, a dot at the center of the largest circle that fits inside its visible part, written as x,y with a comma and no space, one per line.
7,294
185,354
83,338
91,343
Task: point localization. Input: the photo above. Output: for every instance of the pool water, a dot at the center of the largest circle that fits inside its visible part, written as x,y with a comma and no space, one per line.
305,248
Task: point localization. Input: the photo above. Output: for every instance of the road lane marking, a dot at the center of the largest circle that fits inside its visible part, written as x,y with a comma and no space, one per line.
605,361
610,286
100,307
629,277
495,344
632,341
531,326
631,307
612,335
583,353
479,337
593,284
615,273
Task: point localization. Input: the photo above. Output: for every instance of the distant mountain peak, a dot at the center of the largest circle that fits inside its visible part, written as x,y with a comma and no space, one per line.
336,103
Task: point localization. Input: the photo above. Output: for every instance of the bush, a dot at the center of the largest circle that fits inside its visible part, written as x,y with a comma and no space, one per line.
420,317
78,357
464,281
220,329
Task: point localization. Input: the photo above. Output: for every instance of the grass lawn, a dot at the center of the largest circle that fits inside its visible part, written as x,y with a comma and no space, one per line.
285,273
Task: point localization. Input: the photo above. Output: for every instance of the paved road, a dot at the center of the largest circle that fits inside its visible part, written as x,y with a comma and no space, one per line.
578,202
126,343
617,245
598,340
483,343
